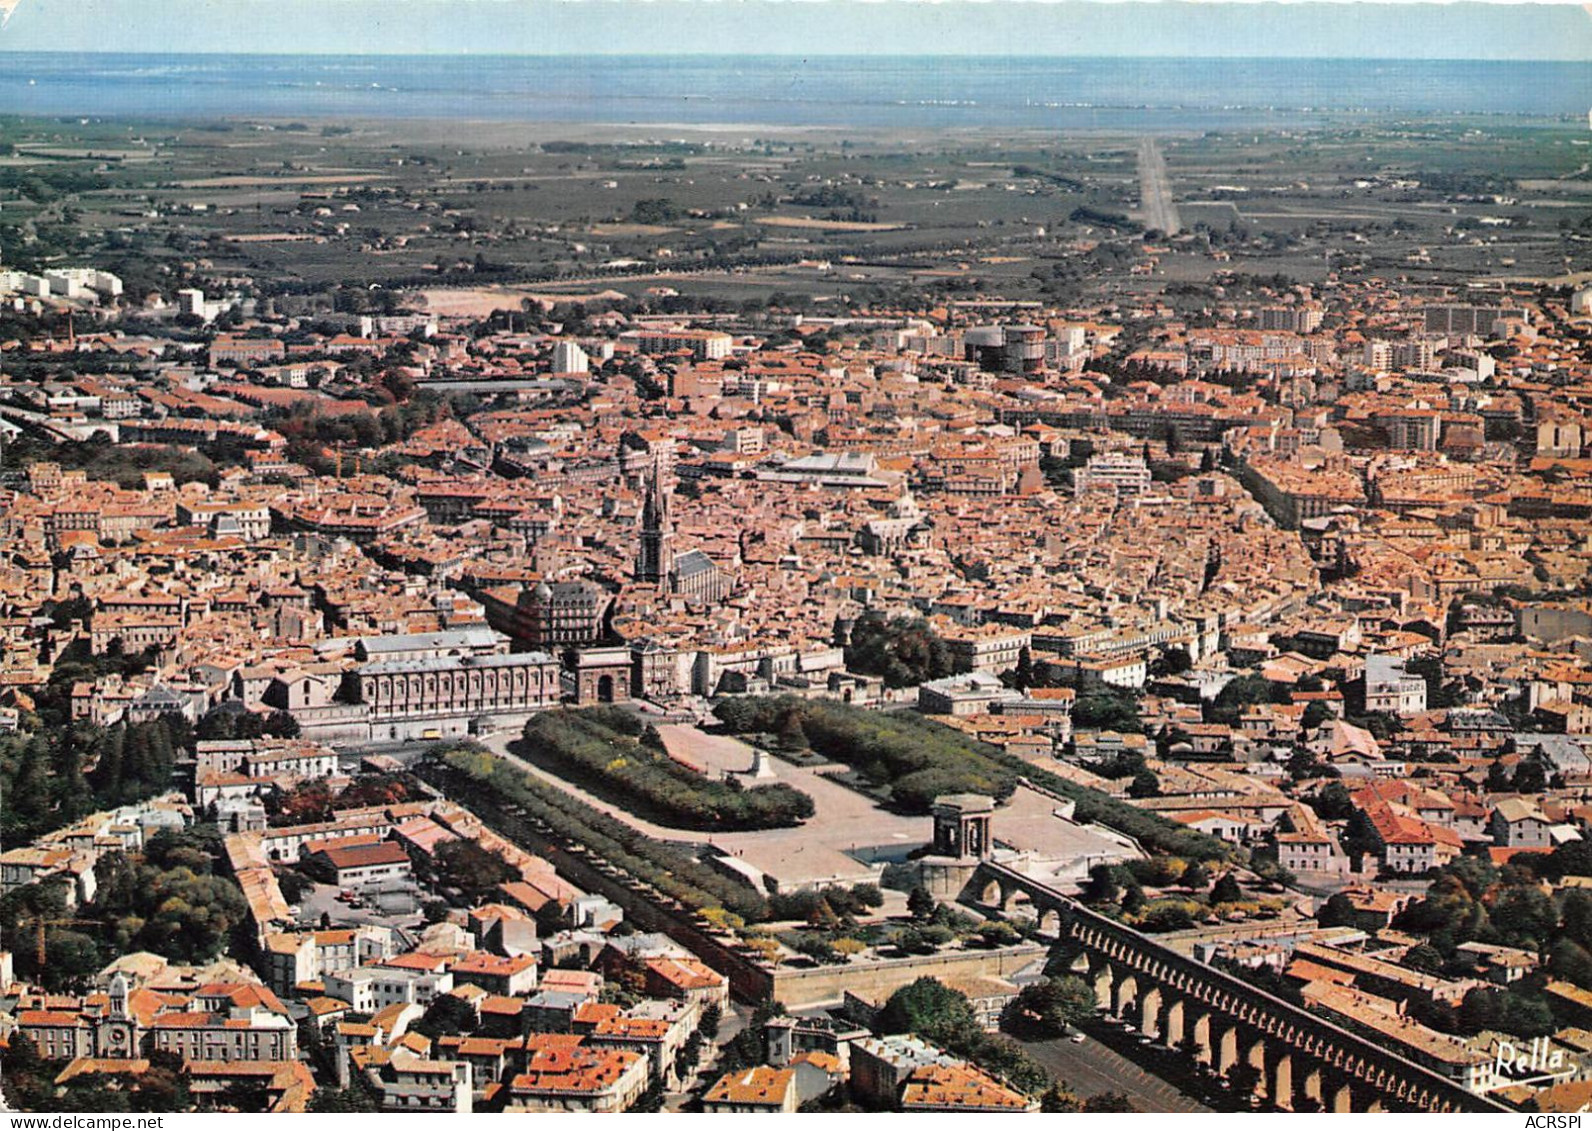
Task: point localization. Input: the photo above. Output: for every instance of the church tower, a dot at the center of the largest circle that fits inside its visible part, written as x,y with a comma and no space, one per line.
655,561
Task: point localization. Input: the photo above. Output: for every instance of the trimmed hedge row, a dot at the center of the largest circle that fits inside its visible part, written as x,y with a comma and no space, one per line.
917,766
621,768
664,867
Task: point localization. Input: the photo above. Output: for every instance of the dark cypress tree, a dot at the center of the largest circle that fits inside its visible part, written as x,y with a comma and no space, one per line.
107,776
73,795
28,806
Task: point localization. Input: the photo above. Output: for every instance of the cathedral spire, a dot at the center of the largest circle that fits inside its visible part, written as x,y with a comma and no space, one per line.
655,559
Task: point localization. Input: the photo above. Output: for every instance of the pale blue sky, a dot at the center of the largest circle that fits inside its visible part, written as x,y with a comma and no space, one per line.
805,27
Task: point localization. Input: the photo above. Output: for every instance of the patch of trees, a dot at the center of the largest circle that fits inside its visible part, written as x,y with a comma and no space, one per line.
655,210
309,431
1333,802
1118,890
943,1016
306,803
227,723
1164,871
745,1049
903,651
468,869
1162,915
1467,184
1114,220
859,899
1316,715
1122,764
45,184
75,664
1518,1009
1059,180
831,936
1440,694
166,899
312,801
1144,784
1058,472
918,759
1245,691
126,464
626,769
70,953
520,804
1227,890
1469,900
1108,708
28,1081
136,761
41,779
380,789
828,196
1047,1009
169,899
45,785
446,1016
1172,662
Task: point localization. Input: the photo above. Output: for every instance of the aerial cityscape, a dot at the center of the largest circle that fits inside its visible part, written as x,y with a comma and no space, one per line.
753,583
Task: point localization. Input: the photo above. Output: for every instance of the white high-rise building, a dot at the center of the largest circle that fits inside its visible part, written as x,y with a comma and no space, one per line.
191,300
570,358
67,284
80,282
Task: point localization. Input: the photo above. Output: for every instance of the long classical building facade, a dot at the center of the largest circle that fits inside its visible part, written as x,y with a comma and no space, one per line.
444,697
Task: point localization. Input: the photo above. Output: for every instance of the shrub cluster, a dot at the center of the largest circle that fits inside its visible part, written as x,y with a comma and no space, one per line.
627,769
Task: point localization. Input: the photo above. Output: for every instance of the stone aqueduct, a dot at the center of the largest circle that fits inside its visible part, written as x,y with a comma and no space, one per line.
1299,1060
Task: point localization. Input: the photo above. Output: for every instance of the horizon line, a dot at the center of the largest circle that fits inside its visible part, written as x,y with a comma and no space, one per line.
627,54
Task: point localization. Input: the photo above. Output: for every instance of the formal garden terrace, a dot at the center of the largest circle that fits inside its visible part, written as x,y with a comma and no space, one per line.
903,761
803,947
783,815
819,898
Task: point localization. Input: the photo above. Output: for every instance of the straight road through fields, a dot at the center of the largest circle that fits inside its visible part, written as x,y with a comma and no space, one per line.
1155,190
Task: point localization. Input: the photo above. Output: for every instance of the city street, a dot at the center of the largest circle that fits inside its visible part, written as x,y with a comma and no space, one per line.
736,1018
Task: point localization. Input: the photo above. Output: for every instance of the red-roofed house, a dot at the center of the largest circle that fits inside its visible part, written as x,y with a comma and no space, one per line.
689,978
363,865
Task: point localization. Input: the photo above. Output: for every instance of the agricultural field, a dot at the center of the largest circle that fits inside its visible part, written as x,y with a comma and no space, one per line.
823,213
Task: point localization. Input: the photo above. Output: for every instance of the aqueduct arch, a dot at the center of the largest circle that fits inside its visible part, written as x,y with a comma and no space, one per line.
1299,1061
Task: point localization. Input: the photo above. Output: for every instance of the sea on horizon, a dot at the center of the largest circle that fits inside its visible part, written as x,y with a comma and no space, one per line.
860,92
